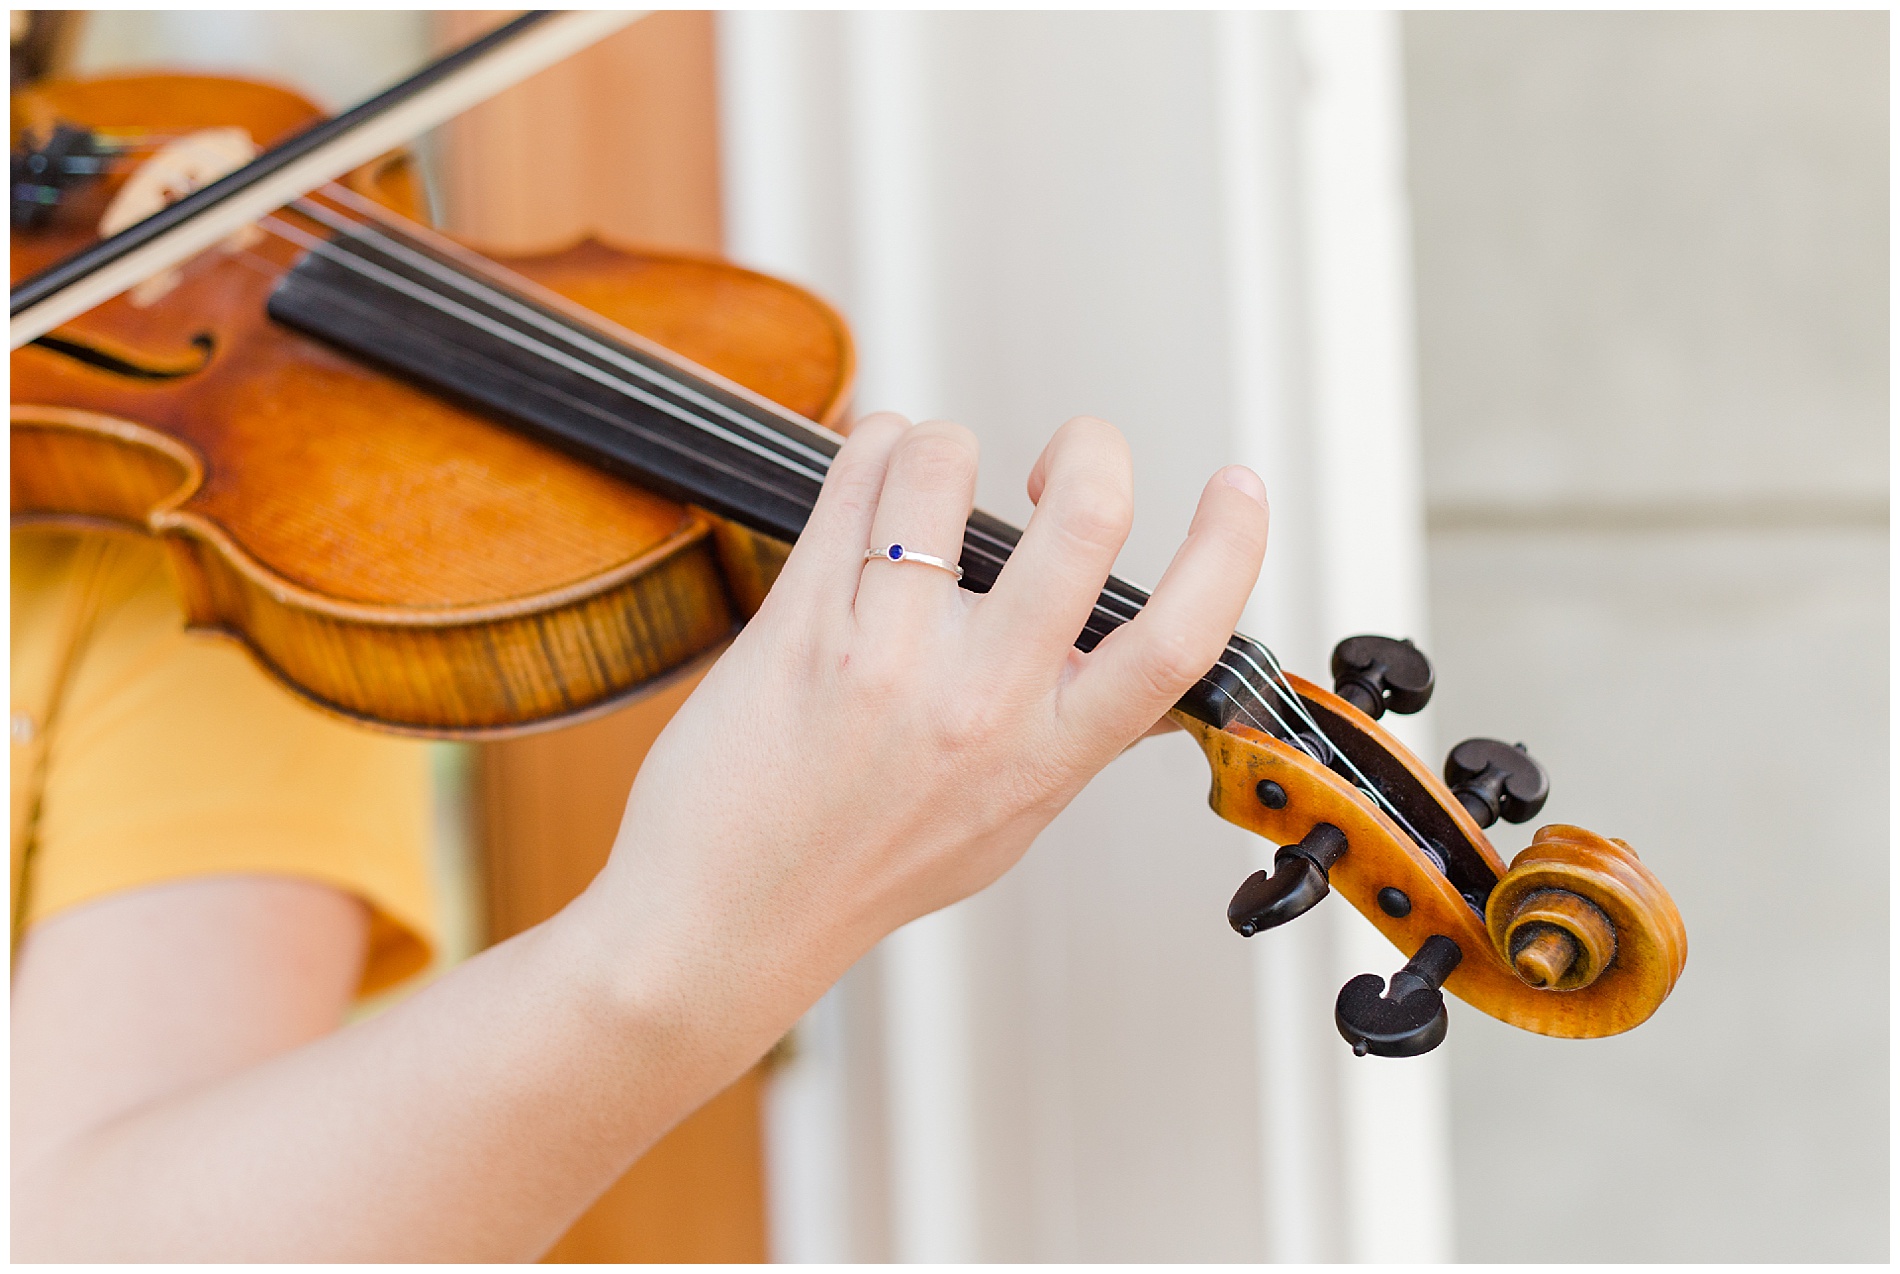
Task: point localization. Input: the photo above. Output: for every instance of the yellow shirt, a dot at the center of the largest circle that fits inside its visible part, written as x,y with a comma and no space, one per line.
142,754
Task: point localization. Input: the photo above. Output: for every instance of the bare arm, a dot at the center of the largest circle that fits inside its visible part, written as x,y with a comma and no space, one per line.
876,745
178,1092
146,994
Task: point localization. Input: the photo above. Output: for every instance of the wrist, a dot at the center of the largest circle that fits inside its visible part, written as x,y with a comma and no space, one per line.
674,986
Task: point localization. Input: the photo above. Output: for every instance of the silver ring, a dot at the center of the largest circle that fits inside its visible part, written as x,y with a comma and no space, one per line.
898,553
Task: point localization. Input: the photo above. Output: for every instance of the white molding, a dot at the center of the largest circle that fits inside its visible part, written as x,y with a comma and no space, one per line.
825,183
1369,481
932,1114
830,161
1257,90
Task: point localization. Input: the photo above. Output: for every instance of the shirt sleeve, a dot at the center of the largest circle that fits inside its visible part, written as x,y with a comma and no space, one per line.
170,755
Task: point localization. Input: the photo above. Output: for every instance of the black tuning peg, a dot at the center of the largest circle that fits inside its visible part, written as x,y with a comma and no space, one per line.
1296,886
1495,780
1406,1018
1376,674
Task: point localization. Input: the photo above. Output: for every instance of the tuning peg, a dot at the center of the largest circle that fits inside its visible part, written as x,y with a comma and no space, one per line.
1298,883
1375,674
1407,1018
1493,780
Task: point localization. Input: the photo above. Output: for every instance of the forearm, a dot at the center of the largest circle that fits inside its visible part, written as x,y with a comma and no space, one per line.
876,744
473,1121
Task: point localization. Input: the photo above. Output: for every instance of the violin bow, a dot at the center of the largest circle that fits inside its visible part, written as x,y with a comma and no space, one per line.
303,162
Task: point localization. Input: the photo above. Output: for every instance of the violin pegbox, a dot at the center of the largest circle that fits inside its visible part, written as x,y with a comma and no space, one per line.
48,169
1576,938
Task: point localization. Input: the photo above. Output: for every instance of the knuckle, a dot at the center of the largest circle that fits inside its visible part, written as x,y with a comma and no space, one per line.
880,420
803,654
1096,512
966,722
951,430
1173,659
1093,444
1090,494
937,457
873,675
857,483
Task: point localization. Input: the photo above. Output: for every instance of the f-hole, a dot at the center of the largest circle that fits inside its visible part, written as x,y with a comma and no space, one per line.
92,356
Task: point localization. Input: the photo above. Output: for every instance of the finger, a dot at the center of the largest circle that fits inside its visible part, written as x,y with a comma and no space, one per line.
926,500
1142,668
826,560
1052,582
1038,476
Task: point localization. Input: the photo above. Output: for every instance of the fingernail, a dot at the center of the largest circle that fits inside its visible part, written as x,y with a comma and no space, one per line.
1241,478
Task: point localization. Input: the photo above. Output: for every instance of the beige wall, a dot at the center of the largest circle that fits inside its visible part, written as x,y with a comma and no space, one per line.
1652,290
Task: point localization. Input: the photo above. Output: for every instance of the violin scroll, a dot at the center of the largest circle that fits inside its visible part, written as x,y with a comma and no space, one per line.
1577,911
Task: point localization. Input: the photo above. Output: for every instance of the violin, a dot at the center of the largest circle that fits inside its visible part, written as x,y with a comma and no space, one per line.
463,496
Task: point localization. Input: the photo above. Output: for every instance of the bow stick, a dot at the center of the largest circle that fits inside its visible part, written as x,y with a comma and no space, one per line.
300,164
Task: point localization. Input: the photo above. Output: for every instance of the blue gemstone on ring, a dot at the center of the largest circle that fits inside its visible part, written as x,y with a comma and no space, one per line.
897,552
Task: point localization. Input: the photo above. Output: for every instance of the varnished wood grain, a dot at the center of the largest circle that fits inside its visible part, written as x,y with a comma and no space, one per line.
1650,943
1564,866
69,464
387,554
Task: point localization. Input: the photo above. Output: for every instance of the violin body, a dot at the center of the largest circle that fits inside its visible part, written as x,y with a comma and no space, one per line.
388,554
426,495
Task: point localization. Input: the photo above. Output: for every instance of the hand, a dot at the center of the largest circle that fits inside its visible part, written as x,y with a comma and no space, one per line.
878,742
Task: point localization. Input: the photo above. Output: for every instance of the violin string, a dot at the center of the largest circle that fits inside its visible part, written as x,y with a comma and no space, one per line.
477,288
993,550
473,286
712,461
1272,674
422,261
428,264
1276,677
557,327
521,340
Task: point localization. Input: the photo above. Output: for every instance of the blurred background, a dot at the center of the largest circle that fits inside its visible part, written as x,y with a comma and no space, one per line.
1561,341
